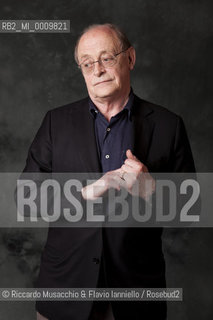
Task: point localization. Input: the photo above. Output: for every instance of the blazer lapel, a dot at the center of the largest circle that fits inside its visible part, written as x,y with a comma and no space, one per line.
143,128
86,145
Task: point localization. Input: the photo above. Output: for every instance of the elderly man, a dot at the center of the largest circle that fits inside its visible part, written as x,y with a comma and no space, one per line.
114,132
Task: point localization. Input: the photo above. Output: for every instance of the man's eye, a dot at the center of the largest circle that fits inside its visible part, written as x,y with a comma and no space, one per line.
87,64
107,59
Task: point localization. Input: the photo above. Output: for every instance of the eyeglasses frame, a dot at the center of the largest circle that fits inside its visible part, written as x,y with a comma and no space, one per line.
99,60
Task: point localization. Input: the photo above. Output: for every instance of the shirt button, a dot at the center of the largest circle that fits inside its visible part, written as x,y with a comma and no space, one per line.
96,260
107,156
108,129
96,111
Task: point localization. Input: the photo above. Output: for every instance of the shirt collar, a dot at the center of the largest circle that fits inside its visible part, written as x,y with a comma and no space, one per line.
94,110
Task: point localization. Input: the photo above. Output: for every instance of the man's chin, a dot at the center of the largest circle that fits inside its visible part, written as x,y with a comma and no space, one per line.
104,93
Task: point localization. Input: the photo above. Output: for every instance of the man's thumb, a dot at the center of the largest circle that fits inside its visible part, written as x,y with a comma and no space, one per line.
130,155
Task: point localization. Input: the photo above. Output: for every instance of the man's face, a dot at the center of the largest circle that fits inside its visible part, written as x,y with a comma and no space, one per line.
106,83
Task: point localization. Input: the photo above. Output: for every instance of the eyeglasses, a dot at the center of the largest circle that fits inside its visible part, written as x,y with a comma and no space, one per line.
106,59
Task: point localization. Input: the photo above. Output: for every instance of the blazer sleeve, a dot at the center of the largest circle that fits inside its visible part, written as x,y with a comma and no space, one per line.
176,240
182,159
39,165
40,153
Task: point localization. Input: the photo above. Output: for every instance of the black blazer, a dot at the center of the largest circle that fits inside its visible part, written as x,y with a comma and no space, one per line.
66,142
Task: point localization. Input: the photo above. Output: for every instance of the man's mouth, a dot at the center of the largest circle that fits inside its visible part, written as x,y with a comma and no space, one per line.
100,82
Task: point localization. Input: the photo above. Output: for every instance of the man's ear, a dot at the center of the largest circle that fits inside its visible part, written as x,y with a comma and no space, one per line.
131,57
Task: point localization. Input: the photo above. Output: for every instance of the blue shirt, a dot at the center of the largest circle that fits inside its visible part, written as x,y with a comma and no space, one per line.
114,137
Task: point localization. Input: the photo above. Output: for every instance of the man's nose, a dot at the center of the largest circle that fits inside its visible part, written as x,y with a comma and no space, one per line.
98,68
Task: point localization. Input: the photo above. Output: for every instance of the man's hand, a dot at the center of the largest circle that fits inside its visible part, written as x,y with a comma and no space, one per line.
133,176
137,179
111,179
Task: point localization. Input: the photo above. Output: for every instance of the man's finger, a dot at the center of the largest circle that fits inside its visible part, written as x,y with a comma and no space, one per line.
129,169
133,163
130,155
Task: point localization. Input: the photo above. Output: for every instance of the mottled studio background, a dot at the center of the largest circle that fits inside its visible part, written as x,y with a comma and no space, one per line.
173,40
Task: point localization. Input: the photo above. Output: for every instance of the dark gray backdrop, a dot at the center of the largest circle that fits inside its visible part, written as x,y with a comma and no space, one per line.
173,41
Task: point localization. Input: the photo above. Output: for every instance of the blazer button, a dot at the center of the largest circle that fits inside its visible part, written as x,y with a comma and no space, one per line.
96,260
